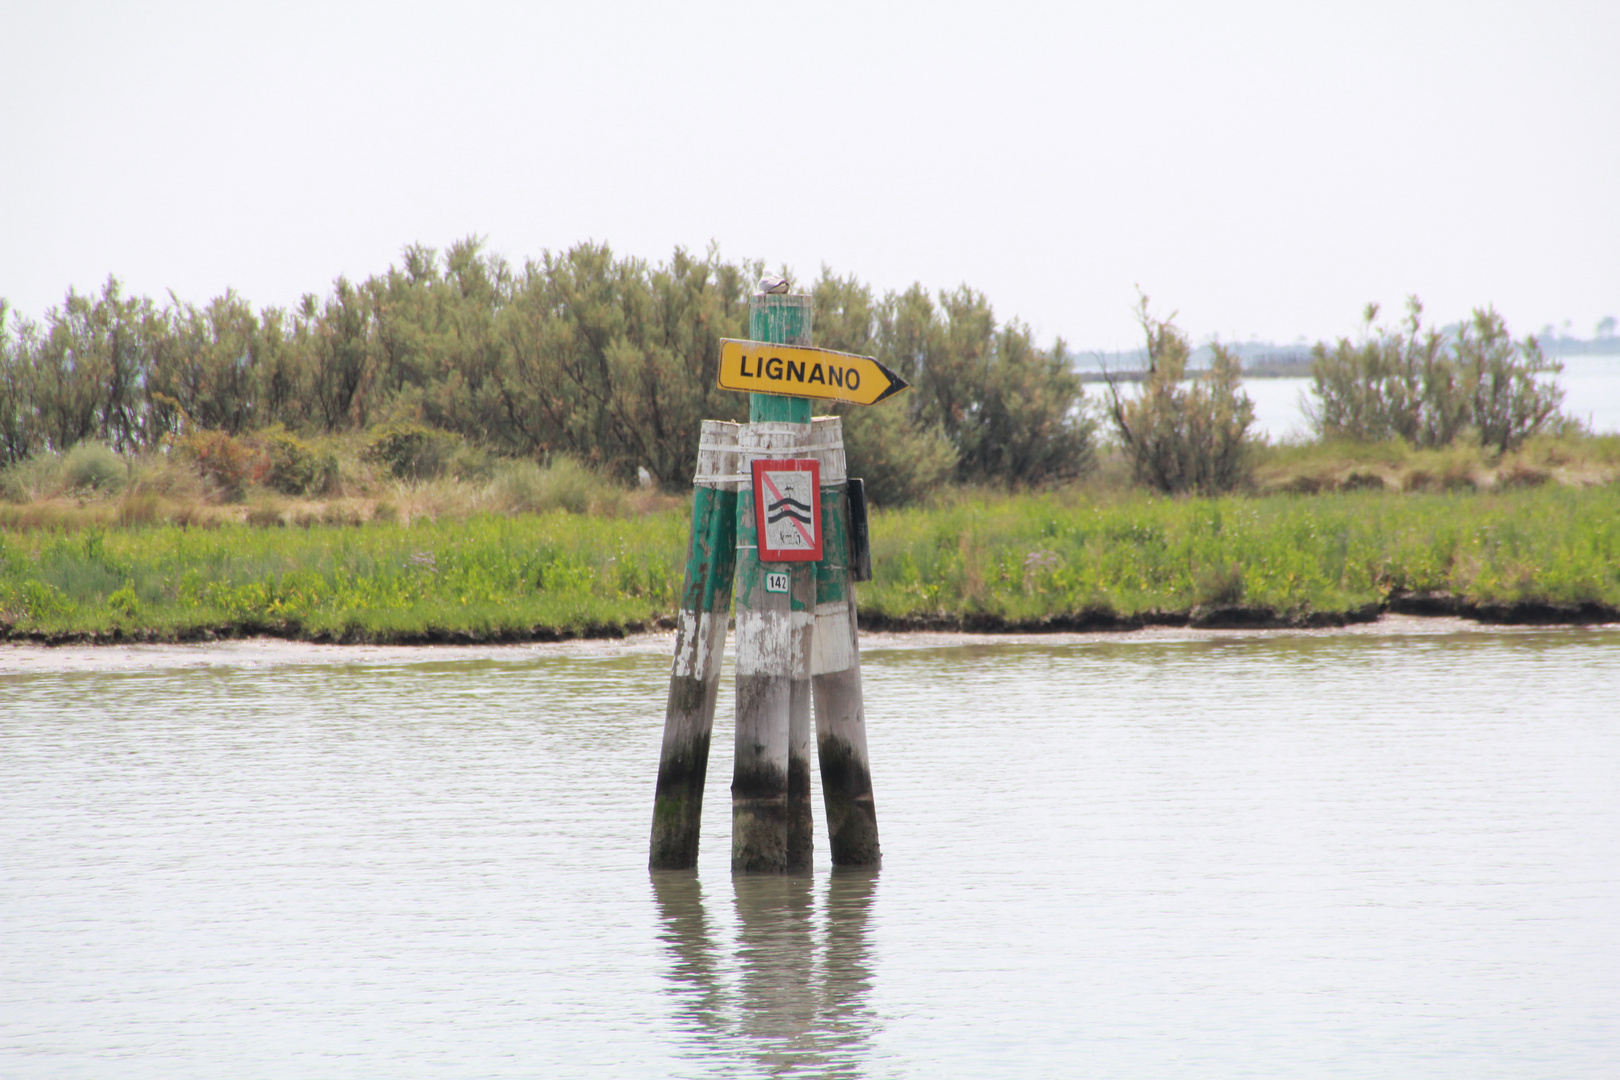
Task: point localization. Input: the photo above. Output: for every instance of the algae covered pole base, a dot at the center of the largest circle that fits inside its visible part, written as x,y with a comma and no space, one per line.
846,772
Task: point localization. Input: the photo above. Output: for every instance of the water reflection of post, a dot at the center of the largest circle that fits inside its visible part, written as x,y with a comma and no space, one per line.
695,970
847,969
799,1014
776,953
800,1002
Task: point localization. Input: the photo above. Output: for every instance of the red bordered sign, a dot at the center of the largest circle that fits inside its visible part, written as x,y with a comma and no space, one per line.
787,509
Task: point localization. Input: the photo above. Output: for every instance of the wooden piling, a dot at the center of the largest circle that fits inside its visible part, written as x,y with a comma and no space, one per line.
846,773
781,319
771,821
796,648
700,638
759,781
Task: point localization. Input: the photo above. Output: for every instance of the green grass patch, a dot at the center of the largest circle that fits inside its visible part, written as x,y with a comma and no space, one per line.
484,578
980,559
1032,558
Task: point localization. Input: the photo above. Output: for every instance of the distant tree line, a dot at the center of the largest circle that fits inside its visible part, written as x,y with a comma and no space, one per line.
581,353
611,361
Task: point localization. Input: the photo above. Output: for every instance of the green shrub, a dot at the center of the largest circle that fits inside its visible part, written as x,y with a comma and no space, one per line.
31,478
1010,412
265,515
294,466
343,513
411,451
524,487
1508,401
1184,434
93,468
138,508
901,461
471,463
1428,388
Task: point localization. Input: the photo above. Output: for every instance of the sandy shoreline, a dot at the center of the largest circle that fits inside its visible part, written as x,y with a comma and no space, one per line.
25,659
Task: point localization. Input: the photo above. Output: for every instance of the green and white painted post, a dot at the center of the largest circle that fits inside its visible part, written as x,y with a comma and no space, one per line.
846,770
796,640
700,642
771,821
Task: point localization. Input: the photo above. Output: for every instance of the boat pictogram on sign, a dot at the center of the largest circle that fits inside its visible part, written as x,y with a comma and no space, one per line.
787,505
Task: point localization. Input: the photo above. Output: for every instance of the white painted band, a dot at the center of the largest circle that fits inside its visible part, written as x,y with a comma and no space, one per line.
766,641
700,645
726,451
834,646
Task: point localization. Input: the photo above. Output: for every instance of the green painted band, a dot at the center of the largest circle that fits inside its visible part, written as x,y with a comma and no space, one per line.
712,559
778,408
780,320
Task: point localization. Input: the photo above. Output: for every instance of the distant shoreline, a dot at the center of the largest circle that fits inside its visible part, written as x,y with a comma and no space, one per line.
1280,370
1261,361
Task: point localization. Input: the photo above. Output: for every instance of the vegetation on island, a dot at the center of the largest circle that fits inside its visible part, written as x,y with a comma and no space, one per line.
1061,559
462,450
581,354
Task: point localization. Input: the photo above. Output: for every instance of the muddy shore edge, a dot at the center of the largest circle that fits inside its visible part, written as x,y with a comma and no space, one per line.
1456,612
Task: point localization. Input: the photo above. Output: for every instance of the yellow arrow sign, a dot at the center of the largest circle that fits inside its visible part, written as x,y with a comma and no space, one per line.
799,371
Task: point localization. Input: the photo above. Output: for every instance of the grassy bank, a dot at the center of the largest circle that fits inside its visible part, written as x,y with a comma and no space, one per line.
484,578
1057,560
1537,554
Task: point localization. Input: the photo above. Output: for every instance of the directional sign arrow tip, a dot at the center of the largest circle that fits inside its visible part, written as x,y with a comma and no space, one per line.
896,383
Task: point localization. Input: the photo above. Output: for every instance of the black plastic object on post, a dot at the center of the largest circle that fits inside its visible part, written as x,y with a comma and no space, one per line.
860,546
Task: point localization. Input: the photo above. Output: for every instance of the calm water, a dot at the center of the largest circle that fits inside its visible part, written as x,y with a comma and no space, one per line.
1378,856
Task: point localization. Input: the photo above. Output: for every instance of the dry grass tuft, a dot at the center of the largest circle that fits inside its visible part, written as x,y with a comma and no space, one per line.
1570,460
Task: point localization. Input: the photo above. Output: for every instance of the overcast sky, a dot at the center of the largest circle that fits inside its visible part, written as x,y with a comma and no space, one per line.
1265,169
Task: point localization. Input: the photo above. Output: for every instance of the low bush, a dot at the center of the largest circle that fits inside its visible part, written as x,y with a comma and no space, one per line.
472,463
265,514
227,463
411,451
31,478
91,468
901,462
1429,387
525,487
1184,434
294,466
138,508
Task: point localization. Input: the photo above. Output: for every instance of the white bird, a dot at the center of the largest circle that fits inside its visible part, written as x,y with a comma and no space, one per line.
773,284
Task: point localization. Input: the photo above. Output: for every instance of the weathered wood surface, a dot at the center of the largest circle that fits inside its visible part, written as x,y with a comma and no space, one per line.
767,808
846,772
775,640
700,639
801,814
765,638
782,319
796,650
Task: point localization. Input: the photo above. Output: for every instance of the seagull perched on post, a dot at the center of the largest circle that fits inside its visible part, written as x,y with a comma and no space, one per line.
773,284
